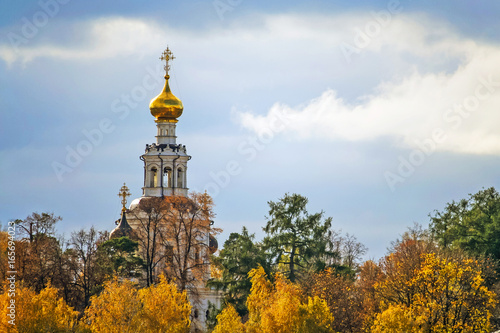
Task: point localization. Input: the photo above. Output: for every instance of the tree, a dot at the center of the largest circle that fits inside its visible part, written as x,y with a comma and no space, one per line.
88,270
370,274
236,259
343,297
4,254
121,308
37,225
449,296
37,312
151,213
425,289
116,309
296,239
471,224
402,264
230,321
37,250
187,231
121,257
164,309
345,252
281,307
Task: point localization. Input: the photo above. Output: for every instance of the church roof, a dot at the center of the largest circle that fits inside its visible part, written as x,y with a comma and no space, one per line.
123,229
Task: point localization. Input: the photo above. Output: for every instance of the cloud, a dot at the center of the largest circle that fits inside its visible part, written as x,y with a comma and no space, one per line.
427,77
102,38
454,104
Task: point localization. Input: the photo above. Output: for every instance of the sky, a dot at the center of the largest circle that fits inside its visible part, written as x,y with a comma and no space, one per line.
379,112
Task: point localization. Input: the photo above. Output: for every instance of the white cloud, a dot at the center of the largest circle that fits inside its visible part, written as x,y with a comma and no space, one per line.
103,38
430,69
462,103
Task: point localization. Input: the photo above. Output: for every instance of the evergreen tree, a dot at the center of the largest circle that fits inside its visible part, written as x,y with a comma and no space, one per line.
238,257
297,241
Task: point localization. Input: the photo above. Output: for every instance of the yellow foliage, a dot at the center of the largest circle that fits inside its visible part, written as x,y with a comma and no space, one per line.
258,300
43,312
446,296
279,308
121,308
165,309
228,321
315,316
116,309
395,319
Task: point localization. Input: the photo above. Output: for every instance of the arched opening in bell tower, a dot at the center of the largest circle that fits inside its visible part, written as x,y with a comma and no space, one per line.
167,177
153,178
180,178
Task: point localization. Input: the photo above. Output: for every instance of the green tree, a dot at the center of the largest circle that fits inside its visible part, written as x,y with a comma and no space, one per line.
121,257
472,224
297,240
237,258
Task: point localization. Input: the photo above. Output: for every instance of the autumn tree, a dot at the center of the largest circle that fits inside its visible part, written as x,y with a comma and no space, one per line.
150,214
425,289
37,225
123,308
449,295
297,240
350,250
164,308
229,321
402,264
187,231
343,297
237,258
4,251
278,307
37,312
116,309
38,251
88,269
370,274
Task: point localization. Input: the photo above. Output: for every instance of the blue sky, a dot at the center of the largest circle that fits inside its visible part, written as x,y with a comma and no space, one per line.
380,112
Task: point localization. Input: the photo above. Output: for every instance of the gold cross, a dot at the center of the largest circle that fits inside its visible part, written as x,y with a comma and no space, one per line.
167,56
124,193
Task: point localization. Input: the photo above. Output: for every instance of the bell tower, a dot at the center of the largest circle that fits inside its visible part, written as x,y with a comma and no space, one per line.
165,162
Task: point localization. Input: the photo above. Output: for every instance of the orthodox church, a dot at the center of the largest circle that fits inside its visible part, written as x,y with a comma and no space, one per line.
165,175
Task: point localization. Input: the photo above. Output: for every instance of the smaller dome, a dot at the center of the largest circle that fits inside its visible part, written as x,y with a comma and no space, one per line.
123,229
213,245
136,202
166,107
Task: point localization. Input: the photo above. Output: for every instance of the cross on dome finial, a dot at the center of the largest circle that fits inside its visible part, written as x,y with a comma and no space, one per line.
124,193
167,56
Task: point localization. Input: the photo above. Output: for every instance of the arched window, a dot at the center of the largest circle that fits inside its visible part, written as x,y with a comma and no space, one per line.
167,177
153,178
180,178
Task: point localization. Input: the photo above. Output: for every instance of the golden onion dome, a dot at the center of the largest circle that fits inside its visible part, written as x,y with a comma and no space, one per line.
166,107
